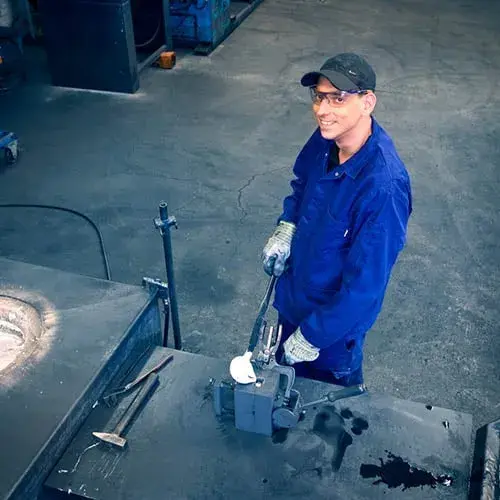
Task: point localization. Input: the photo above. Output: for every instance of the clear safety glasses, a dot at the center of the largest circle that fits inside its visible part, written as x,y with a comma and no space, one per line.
335,99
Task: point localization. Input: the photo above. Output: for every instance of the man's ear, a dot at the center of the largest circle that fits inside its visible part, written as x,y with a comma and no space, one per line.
369,102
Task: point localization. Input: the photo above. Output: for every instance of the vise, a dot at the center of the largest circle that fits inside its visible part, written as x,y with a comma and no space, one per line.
270,403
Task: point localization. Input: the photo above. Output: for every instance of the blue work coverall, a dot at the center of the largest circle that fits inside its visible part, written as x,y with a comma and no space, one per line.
351,225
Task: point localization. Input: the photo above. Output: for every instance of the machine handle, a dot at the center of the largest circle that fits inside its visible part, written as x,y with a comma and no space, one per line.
254,337
331,397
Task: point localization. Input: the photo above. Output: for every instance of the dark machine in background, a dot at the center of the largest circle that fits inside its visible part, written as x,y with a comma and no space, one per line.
15,25
103,45
98,45
11,63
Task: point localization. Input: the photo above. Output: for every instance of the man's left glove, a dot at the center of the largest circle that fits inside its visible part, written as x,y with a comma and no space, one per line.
298,349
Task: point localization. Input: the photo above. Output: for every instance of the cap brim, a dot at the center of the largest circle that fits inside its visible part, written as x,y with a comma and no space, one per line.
336,79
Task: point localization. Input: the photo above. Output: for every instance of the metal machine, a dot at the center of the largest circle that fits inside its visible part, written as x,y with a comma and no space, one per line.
15,24
204,24
269,402
11,64
103,45
106,45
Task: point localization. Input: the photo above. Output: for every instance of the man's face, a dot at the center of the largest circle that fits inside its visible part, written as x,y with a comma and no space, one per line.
336,115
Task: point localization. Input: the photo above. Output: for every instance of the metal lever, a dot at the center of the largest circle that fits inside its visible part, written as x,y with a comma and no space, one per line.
333,396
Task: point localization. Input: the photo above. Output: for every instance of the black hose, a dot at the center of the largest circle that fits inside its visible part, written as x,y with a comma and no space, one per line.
151,40
69,210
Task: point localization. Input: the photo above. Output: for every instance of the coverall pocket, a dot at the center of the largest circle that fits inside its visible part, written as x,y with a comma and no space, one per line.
330,250
333,235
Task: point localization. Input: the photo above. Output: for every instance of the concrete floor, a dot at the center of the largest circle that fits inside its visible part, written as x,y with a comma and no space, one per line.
216,138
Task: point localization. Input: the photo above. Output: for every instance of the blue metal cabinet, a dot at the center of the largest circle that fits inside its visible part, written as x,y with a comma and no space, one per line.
199,22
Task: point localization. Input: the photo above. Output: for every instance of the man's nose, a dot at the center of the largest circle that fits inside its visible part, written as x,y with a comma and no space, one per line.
324,107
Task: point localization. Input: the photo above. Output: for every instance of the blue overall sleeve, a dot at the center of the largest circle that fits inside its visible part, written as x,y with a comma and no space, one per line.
377,241
292,202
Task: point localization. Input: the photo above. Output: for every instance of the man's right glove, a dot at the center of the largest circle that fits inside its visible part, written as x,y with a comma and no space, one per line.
277,248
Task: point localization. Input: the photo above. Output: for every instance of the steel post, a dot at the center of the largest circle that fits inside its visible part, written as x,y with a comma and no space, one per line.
163,223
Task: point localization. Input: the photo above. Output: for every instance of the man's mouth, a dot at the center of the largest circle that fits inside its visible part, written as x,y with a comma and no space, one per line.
326,123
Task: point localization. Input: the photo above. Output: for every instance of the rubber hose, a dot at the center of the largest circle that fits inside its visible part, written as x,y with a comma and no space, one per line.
79,214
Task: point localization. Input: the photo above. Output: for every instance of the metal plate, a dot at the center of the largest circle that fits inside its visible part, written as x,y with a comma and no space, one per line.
90,330
177,448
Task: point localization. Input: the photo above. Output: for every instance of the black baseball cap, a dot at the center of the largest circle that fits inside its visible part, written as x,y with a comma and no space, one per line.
345,71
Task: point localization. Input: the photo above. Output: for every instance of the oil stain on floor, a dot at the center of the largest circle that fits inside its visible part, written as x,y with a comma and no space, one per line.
396,472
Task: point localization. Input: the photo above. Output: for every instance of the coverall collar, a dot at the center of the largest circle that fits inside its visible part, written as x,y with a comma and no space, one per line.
355,164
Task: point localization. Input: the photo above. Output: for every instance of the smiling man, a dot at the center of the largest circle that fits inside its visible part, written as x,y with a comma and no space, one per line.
341,229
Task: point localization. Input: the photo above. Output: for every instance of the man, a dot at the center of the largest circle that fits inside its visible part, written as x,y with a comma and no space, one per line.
341,229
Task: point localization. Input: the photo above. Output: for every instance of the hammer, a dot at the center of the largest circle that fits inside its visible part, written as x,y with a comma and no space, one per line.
115,437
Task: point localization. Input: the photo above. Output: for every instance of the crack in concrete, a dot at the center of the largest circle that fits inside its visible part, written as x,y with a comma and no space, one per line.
164,177
247,184
184,205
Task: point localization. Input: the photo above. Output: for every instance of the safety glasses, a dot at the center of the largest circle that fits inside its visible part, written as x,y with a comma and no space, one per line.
335,99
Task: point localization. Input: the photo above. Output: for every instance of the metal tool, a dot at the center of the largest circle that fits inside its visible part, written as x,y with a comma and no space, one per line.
115,437
254,405
332,396
285,417
111,398
241,368
257,405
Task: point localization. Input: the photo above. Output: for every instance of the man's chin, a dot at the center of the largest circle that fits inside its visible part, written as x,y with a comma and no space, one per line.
328,133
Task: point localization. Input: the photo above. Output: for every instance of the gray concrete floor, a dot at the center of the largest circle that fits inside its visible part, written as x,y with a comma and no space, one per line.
216,138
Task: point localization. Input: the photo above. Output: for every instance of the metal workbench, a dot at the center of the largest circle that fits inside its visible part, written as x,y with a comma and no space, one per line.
178,449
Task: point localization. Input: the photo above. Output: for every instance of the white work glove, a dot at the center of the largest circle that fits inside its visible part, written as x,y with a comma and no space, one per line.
298,349
277,248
